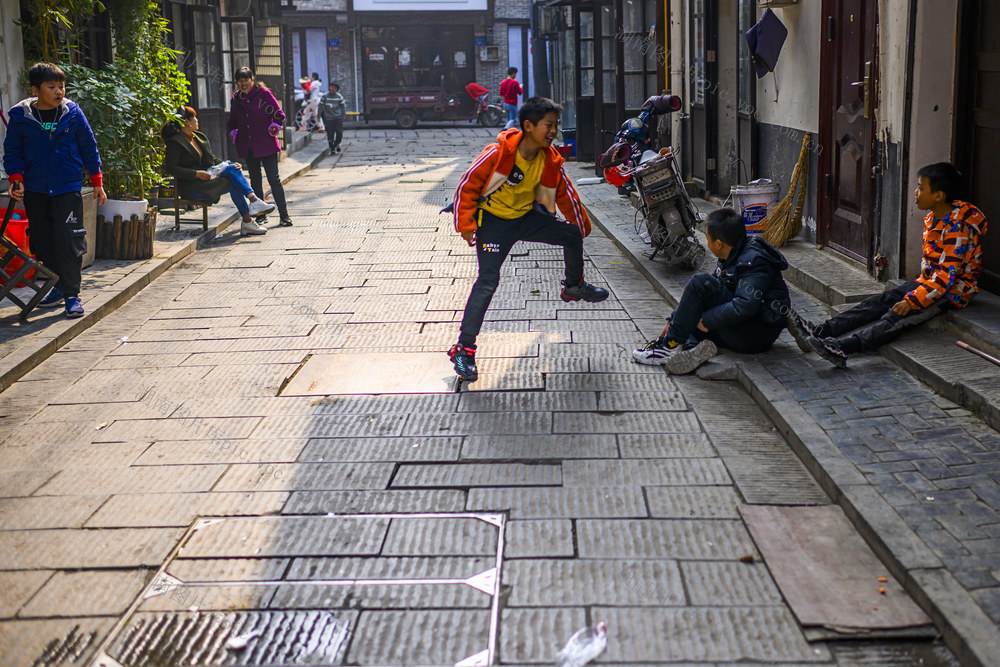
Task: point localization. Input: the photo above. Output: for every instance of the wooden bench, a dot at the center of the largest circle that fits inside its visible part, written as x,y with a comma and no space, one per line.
188,205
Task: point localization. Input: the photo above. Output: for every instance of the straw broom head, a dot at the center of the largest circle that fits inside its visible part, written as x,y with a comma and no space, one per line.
783,223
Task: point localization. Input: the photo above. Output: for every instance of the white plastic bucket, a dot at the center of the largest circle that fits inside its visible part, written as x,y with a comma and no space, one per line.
755,202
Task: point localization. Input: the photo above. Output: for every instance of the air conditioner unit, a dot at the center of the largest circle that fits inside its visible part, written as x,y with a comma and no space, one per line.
489,54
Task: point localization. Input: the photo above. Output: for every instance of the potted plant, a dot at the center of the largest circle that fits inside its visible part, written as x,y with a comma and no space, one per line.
133,97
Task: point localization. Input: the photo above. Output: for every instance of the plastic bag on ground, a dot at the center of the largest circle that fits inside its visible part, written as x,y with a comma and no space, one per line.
585,645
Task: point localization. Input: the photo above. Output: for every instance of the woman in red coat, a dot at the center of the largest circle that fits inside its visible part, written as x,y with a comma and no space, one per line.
255,119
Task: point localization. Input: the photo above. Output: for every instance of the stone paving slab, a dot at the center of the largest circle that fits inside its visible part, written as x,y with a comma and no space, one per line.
79,549
681,539
180,509
542,538
578,583
376,502
880,444
560,502
84,593
724,634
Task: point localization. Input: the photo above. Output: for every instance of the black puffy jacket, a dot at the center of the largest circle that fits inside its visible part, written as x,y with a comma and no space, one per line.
753,272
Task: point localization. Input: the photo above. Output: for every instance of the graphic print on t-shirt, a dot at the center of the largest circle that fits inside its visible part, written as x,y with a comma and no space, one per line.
516,195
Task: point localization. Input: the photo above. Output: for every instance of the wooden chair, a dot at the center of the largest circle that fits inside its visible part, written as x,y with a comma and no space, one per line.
43,281
186,205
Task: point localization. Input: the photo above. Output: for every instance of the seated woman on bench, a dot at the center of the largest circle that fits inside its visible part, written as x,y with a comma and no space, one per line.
190,160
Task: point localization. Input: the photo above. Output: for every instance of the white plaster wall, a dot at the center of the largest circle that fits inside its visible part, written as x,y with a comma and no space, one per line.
789,96
677,64
931,126
893,26
12,63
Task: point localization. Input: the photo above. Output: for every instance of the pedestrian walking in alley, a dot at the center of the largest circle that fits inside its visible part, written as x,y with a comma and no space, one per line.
202,177
255,120
949,276
509,90
510,194
48,144
742,306
332,110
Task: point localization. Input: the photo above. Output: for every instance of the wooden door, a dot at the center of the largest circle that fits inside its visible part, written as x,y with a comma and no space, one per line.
978,122
847,98
703,78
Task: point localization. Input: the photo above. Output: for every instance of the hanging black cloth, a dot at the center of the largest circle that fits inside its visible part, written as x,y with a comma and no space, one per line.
765,40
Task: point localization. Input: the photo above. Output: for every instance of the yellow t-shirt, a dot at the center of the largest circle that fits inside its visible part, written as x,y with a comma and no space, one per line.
517,194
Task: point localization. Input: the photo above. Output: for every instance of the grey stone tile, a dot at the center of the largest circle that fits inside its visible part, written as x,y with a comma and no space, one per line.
375,502
561,502
472,475
538,539
538,447
180,509
18,588
577,583
305,477
663,538
264,537
693,502
85,593
650,472
47,512
82,549
535,635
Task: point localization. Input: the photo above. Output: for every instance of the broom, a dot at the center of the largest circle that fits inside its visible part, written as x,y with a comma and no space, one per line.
783,223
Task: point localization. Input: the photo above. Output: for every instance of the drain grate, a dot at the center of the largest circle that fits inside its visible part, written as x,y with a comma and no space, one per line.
311,590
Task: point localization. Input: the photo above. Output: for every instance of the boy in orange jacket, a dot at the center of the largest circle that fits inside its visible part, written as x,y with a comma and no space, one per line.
510,194
949,276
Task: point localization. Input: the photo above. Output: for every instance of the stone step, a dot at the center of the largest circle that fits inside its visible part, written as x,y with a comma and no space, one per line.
828,278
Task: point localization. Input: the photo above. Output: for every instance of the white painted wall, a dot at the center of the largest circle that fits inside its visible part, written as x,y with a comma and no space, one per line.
789,96
934,83
12,63
893,27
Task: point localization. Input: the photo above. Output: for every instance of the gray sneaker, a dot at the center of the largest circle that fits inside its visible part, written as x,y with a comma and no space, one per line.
829,349
800,329
686,361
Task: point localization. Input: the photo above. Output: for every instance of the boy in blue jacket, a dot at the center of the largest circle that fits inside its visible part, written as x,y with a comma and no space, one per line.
48,144
742,306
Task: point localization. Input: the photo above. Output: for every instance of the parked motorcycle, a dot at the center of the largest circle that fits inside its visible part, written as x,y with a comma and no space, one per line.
659,194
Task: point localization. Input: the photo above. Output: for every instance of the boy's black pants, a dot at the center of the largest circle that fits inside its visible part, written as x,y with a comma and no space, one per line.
872,322
57,236
703,292
494,239
334,131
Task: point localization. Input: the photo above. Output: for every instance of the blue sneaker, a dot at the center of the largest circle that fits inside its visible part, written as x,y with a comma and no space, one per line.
52,299
73,307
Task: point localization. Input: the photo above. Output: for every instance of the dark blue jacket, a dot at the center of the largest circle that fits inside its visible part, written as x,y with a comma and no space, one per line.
753,272
51,163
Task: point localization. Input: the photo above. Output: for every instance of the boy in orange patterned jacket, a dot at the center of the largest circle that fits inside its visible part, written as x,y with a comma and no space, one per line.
949,273
510,194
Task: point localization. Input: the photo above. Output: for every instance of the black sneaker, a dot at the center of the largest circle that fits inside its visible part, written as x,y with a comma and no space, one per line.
800,328
261,219
583,292
829,349
285,222
464,359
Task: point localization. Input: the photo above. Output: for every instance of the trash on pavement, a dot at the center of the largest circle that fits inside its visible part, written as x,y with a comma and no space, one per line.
240,641
585,645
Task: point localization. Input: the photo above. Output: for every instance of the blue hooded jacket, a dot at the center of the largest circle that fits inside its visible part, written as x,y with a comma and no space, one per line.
51,163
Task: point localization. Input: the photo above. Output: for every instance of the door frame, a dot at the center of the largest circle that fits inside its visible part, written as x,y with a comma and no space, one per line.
825,161
705,110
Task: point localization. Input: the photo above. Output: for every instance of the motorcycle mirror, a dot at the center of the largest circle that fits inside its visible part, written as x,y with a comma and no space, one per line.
661,104
619,153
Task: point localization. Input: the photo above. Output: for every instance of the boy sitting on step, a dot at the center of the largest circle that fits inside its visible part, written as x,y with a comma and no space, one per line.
742,306
949,276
